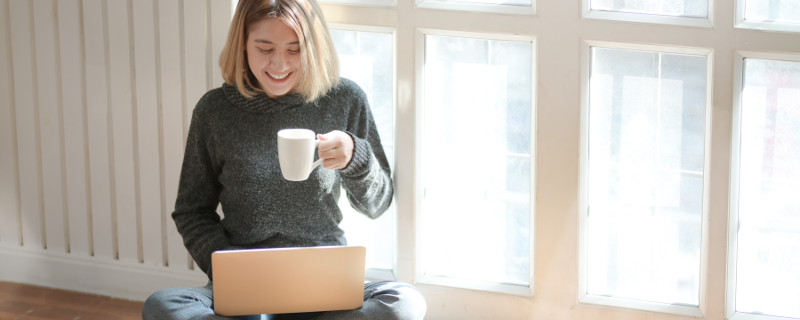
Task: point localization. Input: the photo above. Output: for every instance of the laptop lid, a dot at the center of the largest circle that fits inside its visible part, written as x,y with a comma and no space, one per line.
288,280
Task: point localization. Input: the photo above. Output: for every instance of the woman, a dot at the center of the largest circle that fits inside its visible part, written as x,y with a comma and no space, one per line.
280,71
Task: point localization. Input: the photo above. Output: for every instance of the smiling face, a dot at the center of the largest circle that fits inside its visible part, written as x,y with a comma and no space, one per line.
273,53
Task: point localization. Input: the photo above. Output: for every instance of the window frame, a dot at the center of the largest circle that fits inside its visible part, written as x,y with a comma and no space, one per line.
365,3
743,23
586,68
733,212
707,22
478,7
560,31
379,273
512,289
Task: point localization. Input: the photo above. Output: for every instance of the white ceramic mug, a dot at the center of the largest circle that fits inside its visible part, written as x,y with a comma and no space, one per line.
296,149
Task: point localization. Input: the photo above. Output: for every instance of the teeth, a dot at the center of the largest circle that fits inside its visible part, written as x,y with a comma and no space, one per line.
279,77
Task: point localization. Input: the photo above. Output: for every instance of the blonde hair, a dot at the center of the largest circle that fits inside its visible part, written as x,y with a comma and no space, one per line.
318,57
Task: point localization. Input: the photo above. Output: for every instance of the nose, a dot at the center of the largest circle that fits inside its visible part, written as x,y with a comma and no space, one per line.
279,60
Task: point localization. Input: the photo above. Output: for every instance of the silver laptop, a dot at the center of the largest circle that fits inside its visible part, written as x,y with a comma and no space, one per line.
288,280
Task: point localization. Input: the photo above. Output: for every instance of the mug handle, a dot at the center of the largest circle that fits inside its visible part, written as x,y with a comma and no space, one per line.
319,161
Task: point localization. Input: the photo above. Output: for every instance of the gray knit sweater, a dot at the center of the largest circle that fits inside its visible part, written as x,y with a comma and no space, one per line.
231,159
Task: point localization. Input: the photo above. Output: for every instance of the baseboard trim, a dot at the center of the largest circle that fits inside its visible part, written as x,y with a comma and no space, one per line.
114,278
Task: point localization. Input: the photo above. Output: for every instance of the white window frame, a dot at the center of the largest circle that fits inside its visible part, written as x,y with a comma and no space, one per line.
742,23
478,7
378,274
461,283
733,219
586,68
366,3
707,22
560,31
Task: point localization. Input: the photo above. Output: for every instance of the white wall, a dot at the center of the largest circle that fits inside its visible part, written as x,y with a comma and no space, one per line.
95,99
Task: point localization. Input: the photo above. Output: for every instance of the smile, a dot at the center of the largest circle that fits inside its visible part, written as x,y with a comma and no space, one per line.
278,76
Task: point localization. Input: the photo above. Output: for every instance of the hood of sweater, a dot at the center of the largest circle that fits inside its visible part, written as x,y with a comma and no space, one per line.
261,103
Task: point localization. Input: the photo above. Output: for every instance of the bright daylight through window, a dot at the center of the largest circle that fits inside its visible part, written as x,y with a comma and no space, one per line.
781,11
675,12
646,138
367,59
767,262
500,2
683,8
477,160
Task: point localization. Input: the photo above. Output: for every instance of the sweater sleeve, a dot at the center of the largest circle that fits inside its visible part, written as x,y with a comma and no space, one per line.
367,178
195,213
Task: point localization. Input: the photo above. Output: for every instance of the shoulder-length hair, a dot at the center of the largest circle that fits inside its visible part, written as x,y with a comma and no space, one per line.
318,57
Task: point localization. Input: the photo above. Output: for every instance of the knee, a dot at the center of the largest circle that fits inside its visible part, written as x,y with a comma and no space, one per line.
152,305
402,301
414,303
157,304
164,303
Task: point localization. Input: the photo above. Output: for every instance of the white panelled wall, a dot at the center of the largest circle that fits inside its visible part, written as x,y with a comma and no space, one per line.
95,101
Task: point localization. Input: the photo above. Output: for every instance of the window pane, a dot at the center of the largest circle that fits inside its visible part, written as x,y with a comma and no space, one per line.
768,257
382,3
526,3
678,8
366,58
476,160
645,191
785,11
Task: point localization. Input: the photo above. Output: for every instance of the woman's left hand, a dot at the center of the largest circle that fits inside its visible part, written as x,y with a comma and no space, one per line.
336,149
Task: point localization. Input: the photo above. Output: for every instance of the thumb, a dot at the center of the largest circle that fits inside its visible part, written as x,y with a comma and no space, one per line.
322,137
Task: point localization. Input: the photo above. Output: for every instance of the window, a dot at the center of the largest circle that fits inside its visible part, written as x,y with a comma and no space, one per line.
645,175
377,3
680,12
476,162
498,6
765,225
367,58
777,15
671,68
678,8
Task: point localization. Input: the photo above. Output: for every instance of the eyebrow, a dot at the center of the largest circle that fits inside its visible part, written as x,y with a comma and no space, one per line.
270,42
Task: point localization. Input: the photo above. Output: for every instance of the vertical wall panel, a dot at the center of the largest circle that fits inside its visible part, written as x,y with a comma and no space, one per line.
74,113
195,57
9,196
220,22
95,101
122,121
147,116
98,127
22,50
195,60
169,16
219,15
50,123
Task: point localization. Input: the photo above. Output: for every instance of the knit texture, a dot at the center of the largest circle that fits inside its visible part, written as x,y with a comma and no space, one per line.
231,160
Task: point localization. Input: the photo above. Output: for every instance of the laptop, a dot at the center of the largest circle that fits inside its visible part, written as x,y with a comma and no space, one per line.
288,280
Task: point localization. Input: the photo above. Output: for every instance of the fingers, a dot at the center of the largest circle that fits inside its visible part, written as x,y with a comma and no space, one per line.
336,149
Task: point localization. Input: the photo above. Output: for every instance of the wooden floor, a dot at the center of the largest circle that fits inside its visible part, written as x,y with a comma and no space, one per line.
20,301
